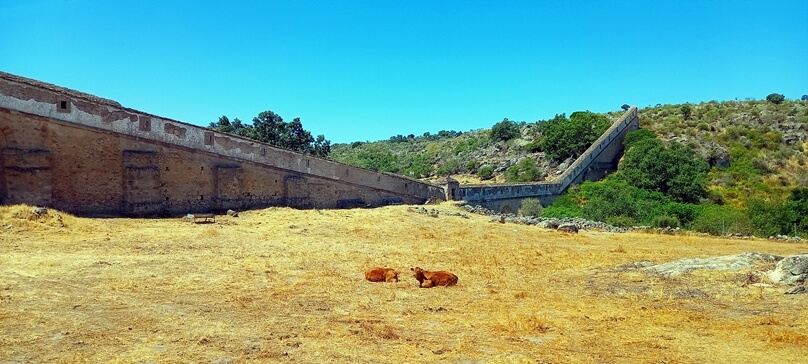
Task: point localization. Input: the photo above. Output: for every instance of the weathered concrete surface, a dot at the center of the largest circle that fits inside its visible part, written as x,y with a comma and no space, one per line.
88,155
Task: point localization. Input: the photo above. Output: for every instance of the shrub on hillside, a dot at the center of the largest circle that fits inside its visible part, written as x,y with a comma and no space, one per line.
530,207
504,130
486,172
378,159
797,204
769,217
468,145
665,221
564,138
635,136
684,213
417,166
525,170
449,167
674,171
533,147
621,221
775,98
606,199
723,220
563,206
686,111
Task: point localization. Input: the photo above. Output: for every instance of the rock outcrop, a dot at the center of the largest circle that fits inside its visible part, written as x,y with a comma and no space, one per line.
792,270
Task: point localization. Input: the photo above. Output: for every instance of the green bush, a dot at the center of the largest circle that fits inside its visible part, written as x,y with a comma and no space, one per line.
449,167
565,138
562,207
769,217
621,221
378,159
635,136
472,166
530,207
666,221
417,166
675,171
608,198
686,111
486,172
504,130
684,213
775,98
525,170
470,144
797,204
534,146
723,220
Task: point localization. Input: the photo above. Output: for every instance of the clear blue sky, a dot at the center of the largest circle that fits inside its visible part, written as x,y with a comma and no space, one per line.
367,70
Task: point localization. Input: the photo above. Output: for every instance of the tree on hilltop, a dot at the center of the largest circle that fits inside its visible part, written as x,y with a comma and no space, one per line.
775,98
269,127
504,130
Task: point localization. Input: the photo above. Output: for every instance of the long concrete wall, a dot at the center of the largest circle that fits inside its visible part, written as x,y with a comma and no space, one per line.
597,161
87,155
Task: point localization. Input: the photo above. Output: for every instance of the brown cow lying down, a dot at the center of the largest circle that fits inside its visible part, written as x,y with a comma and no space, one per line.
382,275
427,279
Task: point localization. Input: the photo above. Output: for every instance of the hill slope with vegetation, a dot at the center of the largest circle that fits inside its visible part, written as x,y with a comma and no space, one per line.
735,167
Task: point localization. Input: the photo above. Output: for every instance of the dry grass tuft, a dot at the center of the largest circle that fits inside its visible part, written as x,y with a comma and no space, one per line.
376,330
23,218
280,285
787,337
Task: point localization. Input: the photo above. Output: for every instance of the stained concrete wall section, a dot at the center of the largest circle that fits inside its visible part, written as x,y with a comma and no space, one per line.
89,155
595,163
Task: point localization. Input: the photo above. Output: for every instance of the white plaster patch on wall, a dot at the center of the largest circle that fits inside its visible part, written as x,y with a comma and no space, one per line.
81,117
31,106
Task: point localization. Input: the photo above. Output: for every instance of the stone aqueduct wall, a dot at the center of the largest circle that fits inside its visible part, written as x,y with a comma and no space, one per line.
88,155
598,160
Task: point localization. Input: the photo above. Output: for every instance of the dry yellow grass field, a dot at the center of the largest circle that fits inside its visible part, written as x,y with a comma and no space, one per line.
284,285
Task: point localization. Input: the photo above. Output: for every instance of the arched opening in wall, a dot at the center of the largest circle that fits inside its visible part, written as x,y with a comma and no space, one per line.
506,209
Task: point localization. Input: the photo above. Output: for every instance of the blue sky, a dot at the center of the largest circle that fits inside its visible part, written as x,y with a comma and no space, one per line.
368,70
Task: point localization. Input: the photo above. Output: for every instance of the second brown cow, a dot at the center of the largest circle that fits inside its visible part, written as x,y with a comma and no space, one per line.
427,279
382,275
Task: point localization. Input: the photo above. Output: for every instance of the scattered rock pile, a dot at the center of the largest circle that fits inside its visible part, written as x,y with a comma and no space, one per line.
583,224
436,212
786,238
553,223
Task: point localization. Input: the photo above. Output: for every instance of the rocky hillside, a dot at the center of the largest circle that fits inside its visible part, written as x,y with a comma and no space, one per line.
755,147
466,156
